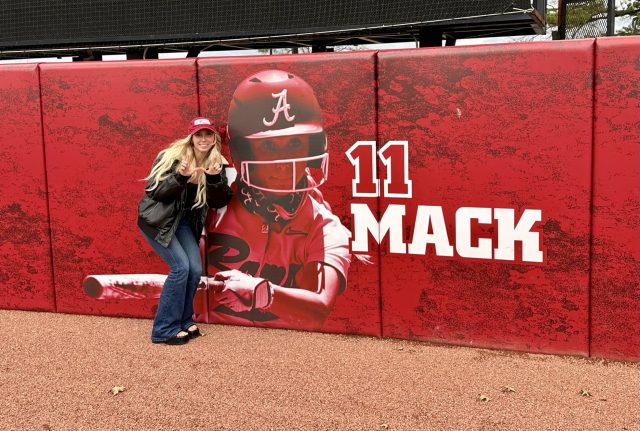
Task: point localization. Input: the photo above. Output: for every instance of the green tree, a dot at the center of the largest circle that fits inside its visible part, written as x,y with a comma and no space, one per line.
585,14
631,8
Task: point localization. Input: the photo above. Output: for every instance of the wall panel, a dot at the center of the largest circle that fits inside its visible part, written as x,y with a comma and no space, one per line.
490,127
25,258
615,276
344,86
104,123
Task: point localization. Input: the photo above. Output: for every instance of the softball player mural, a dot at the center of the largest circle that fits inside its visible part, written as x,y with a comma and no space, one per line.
276,254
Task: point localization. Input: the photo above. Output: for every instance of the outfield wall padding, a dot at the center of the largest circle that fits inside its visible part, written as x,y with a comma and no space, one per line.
344,87
489,127
548,133
104,123
615,273
26,281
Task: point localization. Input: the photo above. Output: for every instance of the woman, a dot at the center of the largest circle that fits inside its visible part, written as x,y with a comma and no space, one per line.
186,179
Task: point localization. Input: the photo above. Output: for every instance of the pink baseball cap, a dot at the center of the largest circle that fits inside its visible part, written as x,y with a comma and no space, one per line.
200,123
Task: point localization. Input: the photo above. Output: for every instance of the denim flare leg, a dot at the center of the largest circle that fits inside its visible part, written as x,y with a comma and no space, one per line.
175,309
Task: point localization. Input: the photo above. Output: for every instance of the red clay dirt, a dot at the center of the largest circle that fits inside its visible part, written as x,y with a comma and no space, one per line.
58,370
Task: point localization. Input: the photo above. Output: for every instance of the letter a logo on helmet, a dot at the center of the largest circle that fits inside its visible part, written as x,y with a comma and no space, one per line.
271,104
282,106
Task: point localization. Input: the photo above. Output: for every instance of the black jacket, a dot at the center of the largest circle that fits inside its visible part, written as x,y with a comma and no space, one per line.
171,196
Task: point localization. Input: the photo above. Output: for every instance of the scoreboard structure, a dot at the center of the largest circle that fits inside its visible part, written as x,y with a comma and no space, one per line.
87,29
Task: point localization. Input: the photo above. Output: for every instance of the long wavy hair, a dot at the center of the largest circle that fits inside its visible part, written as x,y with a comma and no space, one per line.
182,149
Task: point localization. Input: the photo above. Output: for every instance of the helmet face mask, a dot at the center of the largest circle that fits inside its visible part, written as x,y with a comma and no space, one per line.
274,106
303,176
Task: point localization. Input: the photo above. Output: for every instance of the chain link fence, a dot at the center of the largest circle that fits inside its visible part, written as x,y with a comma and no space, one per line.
580,19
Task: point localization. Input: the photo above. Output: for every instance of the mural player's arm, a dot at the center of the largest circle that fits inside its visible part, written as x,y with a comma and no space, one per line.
319,285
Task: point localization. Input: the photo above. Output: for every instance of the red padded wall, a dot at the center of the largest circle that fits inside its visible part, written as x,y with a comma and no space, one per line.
504,126
104,123
615,274
344,85
25,256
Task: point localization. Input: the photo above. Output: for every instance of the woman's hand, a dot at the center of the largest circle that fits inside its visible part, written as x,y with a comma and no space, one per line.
214,169
186,169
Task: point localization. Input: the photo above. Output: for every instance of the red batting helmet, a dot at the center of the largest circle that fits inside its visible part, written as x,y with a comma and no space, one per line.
275,103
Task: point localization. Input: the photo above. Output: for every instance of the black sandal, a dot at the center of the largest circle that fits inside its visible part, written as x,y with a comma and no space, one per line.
195,333
176,340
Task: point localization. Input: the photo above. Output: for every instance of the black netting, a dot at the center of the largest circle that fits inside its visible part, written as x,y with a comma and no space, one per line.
585,18
39,23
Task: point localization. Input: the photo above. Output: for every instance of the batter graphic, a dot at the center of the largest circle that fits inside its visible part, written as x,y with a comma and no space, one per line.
277,256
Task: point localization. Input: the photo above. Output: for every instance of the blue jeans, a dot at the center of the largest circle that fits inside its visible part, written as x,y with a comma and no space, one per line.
175,309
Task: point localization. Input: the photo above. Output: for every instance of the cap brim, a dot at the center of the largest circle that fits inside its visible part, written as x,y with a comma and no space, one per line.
202,127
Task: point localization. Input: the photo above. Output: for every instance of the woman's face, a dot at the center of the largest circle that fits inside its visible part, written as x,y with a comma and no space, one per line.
279,175
203,141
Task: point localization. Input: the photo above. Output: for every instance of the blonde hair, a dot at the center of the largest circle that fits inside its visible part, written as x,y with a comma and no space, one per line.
182,149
